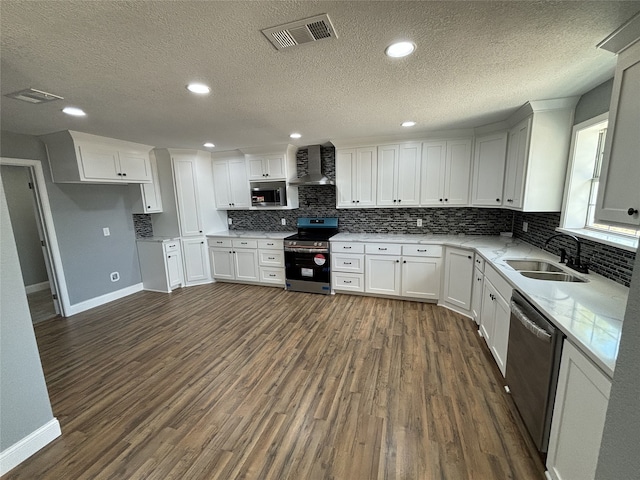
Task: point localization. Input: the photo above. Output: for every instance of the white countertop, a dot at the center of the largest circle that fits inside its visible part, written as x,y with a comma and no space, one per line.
589,314
251,234
157,239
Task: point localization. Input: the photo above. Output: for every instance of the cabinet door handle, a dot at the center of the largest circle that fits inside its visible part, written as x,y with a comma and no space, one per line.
357,201
446,199
394,201
353,201
469,257
497,199
201,242
404,261
168,256
440,199
399,200
148,206
119,174
632,211
397,261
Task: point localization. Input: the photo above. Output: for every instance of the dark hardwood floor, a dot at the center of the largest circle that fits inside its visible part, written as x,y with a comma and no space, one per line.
228,381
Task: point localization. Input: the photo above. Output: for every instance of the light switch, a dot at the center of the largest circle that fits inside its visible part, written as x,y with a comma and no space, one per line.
106,231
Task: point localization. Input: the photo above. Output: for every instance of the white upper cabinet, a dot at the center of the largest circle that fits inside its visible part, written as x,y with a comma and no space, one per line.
231,186
356,174
537,155
147,197
399,175
488,170
516,160
446,170
266,167
619,191
77,157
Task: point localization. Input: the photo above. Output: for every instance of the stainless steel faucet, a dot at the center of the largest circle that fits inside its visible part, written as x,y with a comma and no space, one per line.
573,263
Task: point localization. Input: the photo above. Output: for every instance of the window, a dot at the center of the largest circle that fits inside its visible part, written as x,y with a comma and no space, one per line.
581,192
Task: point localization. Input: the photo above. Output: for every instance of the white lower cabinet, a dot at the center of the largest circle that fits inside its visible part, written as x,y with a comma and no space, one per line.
476,295
382,274
160,265
421,277
195,260
247,260
495,315
347,267
579,414
458,276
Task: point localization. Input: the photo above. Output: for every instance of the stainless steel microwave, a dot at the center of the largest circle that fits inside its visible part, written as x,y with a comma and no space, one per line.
271,194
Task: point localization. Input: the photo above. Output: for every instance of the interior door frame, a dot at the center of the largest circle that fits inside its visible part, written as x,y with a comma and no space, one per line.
46,222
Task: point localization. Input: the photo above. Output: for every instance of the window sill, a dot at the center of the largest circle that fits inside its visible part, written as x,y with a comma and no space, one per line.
611,239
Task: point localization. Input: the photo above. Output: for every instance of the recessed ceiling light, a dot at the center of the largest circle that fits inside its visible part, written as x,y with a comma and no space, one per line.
208,145
295,135
400,49
76,112
199,88
408,124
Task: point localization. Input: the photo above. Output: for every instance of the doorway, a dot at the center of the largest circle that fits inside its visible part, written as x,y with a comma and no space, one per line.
30,214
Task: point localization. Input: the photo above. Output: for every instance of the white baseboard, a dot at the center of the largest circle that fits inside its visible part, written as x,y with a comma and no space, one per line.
102,299
37,287
23,449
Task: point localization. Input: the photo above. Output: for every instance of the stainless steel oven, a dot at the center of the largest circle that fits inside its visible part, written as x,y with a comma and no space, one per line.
306,256
533,364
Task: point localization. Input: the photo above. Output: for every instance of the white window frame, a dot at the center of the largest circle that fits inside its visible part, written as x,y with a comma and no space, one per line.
578,186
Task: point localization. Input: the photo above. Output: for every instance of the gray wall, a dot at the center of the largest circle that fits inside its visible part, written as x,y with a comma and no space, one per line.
620,449
24,222
593,103
24,400
79,214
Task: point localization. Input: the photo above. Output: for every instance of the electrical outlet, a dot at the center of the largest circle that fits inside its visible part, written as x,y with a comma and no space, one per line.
283,221
525,226
230,221
106,232
115,276
419,222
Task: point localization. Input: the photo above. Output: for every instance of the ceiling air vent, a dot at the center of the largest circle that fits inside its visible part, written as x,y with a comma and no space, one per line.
32,95
303,31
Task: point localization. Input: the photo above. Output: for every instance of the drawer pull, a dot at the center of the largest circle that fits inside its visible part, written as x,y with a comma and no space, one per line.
347,263
347,248
243,243
272,274
347,281
271,258
422,250
382,249
270,244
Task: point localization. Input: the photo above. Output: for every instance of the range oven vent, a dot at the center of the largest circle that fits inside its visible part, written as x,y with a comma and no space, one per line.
293,34
32,95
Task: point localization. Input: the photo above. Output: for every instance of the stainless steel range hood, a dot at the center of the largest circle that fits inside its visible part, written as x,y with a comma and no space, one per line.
315,175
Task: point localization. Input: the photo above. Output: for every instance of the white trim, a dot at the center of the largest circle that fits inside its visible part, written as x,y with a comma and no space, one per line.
37,287
607,238
50,231
102,299
24,448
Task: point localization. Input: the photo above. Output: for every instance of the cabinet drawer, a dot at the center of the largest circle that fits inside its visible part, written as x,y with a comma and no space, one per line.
347,262
383,248
502,286
351,247
244,243
348,281
271,258
422,250
219,242
272,275
269,244
479,262
171,247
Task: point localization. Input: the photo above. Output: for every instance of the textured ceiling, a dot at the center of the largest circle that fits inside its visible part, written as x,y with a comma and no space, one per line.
127,63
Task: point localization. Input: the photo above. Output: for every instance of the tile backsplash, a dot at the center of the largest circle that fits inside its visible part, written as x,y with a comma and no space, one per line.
142,225
611,262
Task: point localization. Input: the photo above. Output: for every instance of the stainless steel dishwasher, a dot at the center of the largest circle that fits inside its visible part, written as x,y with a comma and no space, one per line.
533,362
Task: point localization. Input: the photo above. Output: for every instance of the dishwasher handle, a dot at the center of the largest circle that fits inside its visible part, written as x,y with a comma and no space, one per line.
540,333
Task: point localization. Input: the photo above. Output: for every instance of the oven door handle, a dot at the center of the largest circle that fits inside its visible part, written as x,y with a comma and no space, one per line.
306,250
540,333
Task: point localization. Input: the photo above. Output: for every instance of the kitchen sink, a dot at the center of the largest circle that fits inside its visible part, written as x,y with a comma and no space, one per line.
533,266
553,276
